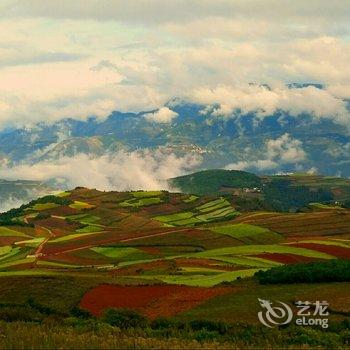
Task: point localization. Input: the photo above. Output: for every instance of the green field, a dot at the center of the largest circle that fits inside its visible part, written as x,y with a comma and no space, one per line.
7,232
80,205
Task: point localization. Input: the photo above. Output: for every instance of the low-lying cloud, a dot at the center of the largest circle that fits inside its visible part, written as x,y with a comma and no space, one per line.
122,171
265,101
163,115
281,151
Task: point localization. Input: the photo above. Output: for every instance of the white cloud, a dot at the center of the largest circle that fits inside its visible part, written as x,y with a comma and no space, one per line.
123,171
89,57
285,149
163,115
280,151
264,101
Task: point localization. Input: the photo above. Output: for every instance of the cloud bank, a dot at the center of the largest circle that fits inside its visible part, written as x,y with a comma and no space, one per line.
163,115
281,151
122,171
79,58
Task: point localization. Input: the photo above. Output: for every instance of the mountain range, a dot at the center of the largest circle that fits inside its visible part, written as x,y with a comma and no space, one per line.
280,142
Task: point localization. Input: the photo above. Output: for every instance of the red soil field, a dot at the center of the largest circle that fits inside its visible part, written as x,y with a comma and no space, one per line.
64,210
339,252
150,250
58,224
285,258
11,240
152,301
70,258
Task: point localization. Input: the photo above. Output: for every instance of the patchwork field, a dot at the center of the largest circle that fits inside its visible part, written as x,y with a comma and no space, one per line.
162,254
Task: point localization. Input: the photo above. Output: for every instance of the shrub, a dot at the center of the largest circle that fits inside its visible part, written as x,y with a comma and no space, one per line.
330,271
19,313
212,326
124,318
80,313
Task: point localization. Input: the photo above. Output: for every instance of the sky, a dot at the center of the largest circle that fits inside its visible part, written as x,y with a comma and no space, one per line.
63,58
75,59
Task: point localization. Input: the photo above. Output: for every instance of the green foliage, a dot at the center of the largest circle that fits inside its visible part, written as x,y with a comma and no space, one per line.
11,217
42,216
124,318
140,202
80,313
211,181
281,195
330,271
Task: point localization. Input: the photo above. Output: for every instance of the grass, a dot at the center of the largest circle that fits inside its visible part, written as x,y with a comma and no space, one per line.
249,234
81,205
122,254
63,194
257,249
44,206
243,305
34,242
10,254
227,212
191,199
84,218
17,262
144,194
248,261
210,206
186,222
140,202
70,237
325,242
56,264
174,217
89,229
324,206
5,249
29,272
239,230
6,232
205,280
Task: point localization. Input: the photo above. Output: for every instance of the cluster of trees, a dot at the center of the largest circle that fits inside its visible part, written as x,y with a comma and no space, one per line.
281,195
330,271
11,217
211,181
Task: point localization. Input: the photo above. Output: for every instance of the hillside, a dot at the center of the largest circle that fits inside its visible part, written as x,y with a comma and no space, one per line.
280,193
185,238
73,256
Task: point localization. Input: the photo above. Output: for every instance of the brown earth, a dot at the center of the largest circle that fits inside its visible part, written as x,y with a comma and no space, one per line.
286,258
339,252
152,301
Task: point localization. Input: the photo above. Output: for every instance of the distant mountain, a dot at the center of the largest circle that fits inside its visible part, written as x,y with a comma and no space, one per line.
238,141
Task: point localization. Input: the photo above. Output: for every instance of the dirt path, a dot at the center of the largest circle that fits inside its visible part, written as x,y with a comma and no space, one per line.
38,251
154,235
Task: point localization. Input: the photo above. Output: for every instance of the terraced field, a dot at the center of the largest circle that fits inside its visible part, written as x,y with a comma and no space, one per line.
114,231
184,242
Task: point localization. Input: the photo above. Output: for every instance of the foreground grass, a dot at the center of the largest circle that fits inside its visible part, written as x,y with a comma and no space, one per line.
34,336
77,333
